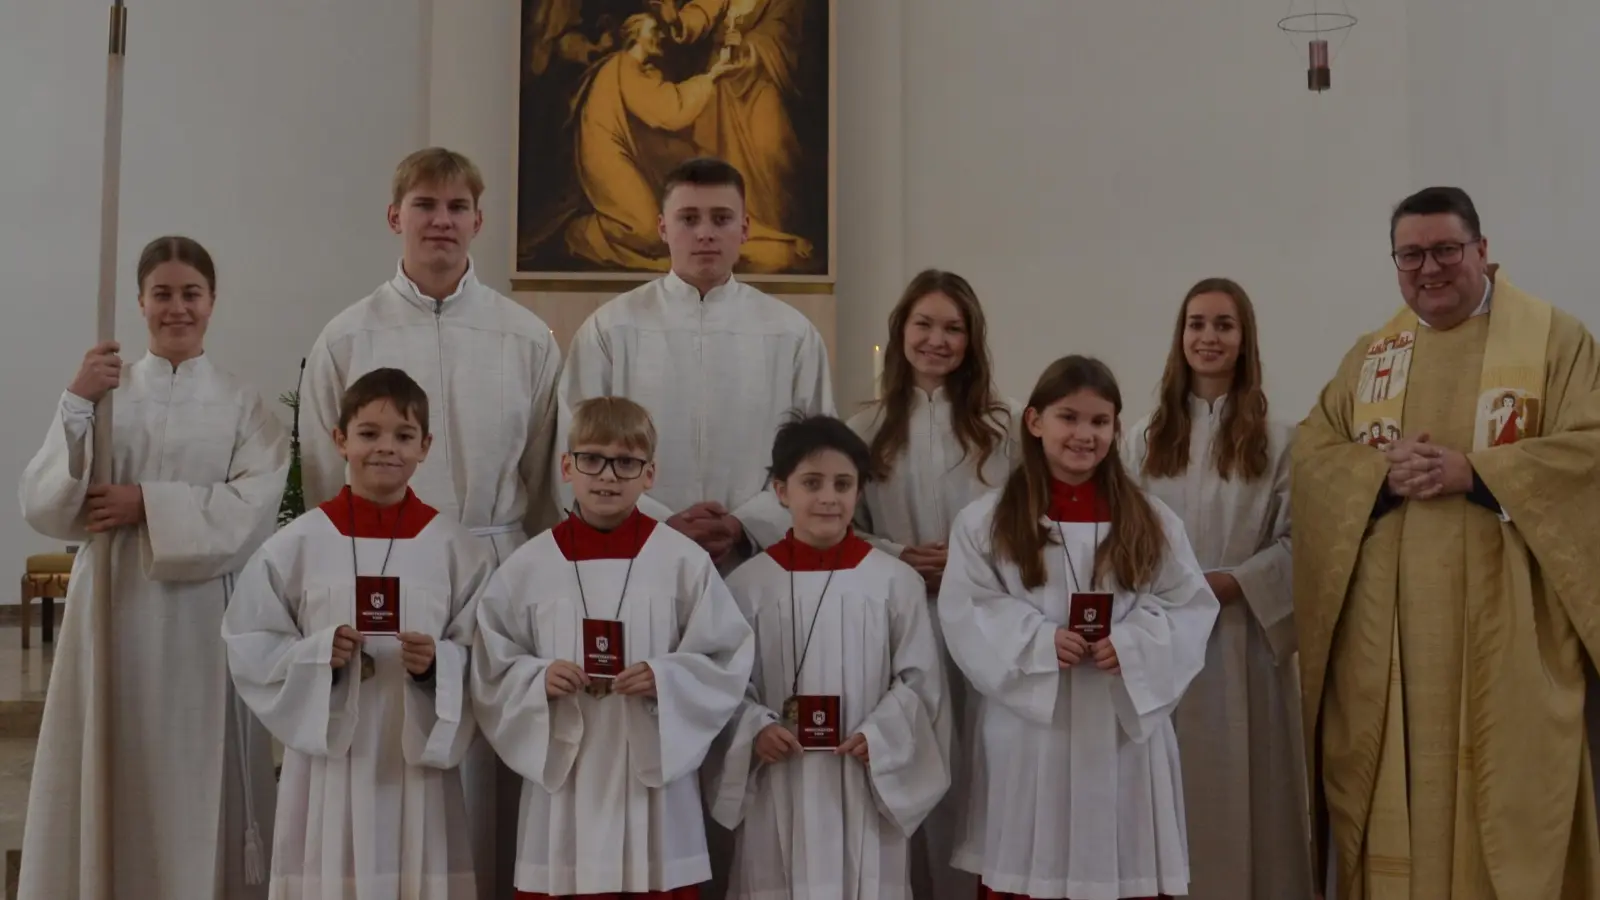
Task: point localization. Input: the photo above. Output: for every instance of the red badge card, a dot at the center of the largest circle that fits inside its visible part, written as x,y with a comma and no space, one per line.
603,655
818,728
1090,616
377,604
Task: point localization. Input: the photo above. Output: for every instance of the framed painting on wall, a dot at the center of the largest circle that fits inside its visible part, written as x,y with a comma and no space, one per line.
614,93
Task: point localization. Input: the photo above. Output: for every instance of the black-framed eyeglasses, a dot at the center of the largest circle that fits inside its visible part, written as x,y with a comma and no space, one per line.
1410,259
625,468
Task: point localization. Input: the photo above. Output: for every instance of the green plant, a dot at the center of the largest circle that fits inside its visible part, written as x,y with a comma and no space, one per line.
294,496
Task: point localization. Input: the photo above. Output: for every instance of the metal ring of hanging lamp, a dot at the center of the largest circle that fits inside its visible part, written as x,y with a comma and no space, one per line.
1313,23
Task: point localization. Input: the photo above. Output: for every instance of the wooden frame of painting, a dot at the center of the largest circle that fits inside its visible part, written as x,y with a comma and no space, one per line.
610,97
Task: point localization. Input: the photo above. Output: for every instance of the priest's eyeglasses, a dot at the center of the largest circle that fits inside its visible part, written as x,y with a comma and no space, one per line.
1410,259
626,468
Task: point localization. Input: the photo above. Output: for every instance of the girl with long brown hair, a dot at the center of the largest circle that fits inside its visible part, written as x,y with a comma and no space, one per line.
1075,607
941,434
1210,452
939,438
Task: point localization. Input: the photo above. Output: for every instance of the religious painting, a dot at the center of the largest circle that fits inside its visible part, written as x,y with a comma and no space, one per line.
1384,371
1505,416
615,93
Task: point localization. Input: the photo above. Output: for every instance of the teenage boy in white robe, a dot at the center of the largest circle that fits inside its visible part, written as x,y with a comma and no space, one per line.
350,636
489,366
198,468
841,748
609,656
1075,607
717,362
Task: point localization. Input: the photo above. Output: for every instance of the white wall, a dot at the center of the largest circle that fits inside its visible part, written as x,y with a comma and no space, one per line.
473,109
1505,106
1082,162
266,130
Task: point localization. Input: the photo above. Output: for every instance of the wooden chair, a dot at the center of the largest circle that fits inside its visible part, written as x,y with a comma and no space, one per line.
45,579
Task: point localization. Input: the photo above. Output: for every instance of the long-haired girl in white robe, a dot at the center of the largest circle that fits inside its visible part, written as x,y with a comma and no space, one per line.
940,436
372,709
197,471
837,622
1080,795
1210,452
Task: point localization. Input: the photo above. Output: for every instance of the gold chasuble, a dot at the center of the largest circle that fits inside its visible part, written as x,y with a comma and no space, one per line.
1441,644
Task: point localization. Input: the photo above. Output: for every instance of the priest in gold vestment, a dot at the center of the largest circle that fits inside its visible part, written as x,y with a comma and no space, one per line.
1446,584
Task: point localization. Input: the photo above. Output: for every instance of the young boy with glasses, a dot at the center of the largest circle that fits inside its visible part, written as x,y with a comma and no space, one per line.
609,656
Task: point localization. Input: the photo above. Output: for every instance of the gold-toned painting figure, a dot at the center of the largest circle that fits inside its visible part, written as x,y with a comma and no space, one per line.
616,92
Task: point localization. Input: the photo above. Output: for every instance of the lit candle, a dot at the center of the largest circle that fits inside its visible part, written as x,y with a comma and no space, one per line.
877,372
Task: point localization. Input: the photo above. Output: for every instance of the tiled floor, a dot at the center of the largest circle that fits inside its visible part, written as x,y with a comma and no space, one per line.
23,677
16,767
23,673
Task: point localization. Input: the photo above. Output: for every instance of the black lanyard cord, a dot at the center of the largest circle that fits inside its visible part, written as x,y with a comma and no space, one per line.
800,653
355,567
1072,571
625,578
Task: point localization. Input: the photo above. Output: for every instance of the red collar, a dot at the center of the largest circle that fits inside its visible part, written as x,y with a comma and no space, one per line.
580,542
797,556
1077,502
402,521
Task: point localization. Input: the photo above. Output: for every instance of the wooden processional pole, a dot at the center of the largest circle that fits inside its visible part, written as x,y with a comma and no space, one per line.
100,471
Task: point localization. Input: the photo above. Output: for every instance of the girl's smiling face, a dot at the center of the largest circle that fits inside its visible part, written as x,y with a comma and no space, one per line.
1076,433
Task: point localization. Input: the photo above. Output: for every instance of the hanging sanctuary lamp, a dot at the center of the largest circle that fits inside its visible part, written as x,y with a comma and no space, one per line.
1315,25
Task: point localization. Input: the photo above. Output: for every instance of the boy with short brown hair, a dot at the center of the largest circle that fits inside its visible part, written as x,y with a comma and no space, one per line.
349,634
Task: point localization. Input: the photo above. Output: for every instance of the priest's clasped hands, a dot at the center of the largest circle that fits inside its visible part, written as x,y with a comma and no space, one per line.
416,650
562,678
777,742
1071,648
1422,470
